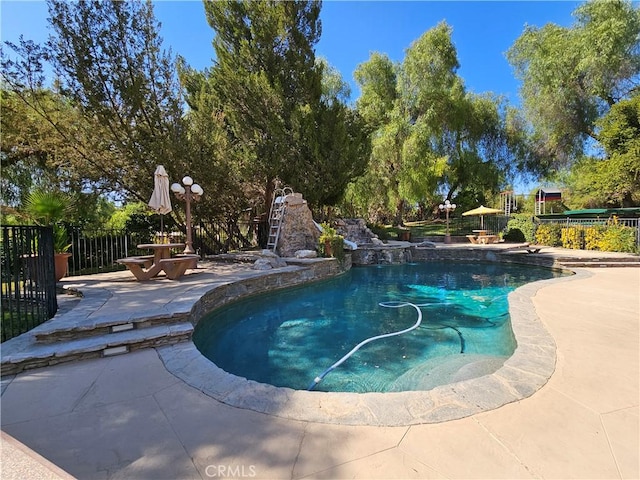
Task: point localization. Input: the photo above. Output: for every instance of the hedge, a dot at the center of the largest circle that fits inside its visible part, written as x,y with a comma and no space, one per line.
606,238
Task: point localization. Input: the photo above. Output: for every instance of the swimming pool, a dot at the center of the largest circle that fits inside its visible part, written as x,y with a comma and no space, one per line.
288,338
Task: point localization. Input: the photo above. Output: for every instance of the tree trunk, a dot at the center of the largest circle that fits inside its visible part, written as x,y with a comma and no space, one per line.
399,221
263,224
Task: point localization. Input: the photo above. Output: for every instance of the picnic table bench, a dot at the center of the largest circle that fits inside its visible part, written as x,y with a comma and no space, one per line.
142,268
145,267
485,239
482,238
175,267
472,238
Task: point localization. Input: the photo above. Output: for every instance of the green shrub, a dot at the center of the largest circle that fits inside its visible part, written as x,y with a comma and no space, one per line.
607,238
592,236
520,228
514,235
549,234
618,238
330,244
573,237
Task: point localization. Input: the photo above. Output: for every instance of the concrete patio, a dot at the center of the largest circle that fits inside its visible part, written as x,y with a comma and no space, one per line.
128,417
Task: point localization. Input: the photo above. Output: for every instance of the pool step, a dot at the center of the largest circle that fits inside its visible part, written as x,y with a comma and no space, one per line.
70,330
445,370
35,354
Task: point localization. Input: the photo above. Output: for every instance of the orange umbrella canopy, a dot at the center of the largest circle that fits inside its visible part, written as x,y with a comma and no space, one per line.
482,211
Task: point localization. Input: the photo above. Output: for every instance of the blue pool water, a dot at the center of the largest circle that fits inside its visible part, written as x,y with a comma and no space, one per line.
288,338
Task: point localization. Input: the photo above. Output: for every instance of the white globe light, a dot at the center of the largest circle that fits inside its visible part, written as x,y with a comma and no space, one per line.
441,207
188,181
197,189
176,187
453,205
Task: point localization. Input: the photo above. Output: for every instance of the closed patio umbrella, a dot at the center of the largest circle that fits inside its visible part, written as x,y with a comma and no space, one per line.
482,211
160,199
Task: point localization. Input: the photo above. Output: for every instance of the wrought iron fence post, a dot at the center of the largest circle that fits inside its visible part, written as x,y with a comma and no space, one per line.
28,279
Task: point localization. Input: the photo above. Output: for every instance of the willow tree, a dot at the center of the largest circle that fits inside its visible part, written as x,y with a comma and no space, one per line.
613,181
377,79
431,137
571,77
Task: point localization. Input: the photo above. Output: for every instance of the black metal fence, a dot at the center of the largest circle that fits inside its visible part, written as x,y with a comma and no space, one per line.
460,225
604,221
97,251
28,280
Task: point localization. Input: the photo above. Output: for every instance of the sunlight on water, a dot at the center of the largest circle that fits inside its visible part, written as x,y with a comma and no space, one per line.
288,338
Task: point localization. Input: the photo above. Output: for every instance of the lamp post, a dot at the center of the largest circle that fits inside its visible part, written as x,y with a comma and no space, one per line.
447,207
190,192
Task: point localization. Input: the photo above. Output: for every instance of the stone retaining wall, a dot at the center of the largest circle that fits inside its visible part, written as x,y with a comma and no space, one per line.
314,270
480,255
381,255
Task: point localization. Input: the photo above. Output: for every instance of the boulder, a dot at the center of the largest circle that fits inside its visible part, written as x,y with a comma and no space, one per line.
262,264
356,230
426,244
298,231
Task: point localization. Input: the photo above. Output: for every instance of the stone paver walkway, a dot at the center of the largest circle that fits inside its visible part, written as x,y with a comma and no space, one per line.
128,417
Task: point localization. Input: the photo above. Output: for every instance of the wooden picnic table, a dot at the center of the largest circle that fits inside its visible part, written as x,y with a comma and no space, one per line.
147,267
160,250
483,237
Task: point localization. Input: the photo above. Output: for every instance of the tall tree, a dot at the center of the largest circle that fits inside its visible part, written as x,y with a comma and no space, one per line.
431,137
218,163
613,181
267,80
109,65
571,77
334,142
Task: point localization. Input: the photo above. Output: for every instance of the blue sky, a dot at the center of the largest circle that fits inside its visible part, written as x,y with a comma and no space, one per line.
482,32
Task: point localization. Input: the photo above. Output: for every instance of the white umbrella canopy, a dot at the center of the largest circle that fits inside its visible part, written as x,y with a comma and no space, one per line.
160,199
482,211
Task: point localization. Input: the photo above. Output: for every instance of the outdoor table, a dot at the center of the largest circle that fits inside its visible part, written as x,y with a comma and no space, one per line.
483,237
145,268
160,250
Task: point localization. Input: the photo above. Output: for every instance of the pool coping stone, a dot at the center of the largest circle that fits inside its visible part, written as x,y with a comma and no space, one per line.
524,373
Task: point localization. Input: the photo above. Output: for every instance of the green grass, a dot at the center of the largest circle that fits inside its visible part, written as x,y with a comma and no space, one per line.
12,325
11,286
427,228
417,229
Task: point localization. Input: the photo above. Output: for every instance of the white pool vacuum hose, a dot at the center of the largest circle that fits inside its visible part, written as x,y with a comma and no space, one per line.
318,379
